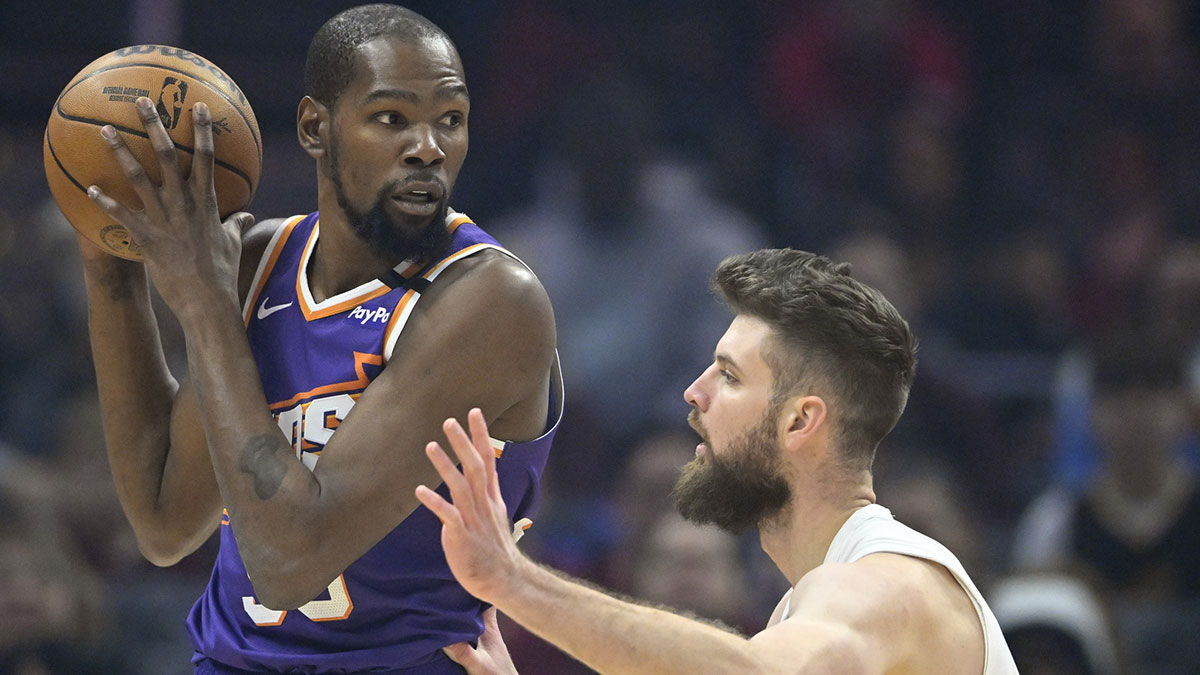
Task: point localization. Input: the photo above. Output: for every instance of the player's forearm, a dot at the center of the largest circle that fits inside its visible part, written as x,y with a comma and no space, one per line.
615,636
136,388
272,498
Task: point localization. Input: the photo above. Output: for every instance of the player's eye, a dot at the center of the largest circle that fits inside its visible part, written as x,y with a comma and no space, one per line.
728,375
389,117
454,119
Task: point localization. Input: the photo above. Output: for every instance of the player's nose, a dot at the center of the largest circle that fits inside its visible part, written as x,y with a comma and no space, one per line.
695,395
422,148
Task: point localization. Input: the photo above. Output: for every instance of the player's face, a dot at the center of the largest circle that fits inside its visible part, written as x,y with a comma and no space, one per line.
736,479
399,139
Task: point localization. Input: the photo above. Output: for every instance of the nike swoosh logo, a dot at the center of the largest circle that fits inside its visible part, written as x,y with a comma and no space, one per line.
264,311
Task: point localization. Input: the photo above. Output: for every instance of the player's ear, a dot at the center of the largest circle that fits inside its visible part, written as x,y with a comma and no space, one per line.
804,419
312,126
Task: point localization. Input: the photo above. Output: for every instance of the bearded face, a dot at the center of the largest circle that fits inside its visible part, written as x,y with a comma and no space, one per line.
387,238
739,487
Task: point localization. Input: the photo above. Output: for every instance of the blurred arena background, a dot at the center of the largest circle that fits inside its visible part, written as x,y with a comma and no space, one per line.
1021,178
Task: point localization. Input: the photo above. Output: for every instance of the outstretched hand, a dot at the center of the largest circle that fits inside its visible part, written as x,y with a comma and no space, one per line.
490,657
476,533
179,229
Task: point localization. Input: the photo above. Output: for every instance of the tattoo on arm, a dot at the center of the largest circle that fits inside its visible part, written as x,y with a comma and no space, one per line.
261,460
118,281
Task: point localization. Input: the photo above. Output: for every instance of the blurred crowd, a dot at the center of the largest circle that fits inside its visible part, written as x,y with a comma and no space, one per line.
1021,178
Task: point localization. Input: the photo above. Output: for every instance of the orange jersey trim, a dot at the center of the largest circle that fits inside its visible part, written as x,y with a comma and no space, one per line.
265,272
361,383
397,313
458,221
309,312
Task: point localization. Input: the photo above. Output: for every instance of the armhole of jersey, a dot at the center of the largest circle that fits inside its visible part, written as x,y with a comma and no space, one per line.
932,554
409,300
557,399
267,263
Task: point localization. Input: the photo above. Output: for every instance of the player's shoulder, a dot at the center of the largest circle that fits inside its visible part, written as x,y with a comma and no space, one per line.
496,277
255,240
258,235
877,578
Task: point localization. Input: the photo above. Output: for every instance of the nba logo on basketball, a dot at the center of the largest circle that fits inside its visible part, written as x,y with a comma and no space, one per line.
170,101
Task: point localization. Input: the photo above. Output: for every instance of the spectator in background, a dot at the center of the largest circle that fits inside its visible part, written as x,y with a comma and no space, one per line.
535,49
834,74
55,617
623,236
1132,526
1056,624
1126,523
696,569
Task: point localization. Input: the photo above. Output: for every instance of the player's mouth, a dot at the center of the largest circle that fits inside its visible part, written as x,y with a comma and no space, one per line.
693,421
419,199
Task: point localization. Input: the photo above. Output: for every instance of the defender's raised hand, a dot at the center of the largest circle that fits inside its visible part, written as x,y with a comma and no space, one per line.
491,657
184,242
476,533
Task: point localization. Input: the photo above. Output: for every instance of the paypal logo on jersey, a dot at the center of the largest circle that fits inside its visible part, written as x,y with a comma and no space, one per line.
379,314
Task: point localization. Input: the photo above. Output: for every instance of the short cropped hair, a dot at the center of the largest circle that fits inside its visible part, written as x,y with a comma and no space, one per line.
832,336
329,66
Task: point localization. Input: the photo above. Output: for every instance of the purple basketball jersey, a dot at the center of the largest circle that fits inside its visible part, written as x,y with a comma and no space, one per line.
393,609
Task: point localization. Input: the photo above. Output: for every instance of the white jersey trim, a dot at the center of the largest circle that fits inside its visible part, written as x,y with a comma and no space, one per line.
252,295
400,321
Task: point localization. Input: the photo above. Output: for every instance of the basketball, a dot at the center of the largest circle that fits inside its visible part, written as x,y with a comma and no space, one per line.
103,93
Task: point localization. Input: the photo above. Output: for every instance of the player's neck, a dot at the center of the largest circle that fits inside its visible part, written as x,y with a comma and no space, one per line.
799,538
341,260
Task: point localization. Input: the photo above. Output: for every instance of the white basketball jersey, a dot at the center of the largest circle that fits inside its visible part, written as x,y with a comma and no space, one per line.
872,529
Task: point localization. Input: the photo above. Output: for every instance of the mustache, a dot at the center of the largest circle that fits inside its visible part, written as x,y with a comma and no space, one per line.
420,176
693,420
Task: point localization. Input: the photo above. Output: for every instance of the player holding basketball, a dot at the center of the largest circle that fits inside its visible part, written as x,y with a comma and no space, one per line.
323,350
813,372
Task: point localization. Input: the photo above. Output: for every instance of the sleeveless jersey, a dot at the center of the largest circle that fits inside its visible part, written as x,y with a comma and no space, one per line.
393,609
872,529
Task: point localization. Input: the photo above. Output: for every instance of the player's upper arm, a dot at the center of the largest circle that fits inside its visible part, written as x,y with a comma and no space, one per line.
847,618
482,335
254,243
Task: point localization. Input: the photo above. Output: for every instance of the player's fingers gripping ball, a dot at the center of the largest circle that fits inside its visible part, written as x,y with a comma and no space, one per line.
103,93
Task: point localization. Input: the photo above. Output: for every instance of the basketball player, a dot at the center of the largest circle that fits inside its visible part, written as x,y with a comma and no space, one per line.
322,351
812,373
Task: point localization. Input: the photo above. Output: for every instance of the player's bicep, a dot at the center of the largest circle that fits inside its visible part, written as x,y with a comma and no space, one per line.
818,645
482,338
852,618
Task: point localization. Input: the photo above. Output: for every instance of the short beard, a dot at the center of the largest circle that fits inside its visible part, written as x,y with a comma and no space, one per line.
387,239
743,489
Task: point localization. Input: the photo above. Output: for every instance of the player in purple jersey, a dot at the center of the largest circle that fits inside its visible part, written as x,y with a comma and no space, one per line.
322,352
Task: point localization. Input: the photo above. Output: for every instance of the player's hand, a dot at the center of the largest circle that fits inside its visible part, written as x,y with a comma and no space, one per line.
185,245
476,533
490,657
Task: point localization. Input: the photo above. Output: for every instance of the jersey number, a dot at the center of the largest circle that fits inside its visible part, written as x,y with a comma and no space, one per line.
336,608
310,425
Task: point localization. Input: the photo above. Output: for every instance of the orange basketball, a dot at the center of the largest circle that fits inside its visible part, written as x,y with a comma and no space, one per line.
104,93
